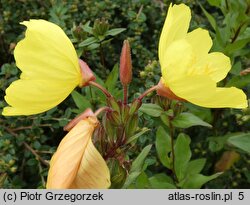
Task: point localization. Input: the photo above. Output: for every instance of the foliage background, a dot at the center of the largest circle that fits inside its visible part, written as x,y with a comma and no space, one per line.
228,23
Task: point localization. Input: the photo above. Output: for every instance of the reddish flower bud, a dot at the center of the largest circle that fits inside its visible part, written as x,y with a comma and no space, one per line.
164,91
87,74
125,64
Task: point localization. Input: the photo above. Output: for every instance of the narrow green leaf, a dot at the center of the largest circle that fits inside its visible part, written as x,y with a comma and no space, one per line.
182,155
241,141
137,167
185,120
137,135
216,3
111,81
93,46
237,45
88,41
139,161
210,18
81,102
130,179
114,32
87,28
197,180
151,109
163,146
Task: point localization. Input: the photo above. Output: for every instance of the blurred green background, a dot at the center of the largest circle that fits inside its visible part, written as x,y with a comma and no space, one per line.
24,141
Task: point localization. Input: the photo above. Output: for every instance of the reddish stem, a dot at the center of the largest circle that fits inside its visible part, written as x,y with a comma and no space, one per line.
147,92
125,94
101,88
100,110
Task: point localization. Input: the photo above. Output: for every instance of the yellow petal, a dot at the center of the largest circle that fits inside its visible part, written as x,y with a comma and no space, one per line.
28,97
65,162
50,70
216,65
200,41
93,172
175,27
202,91
46,51
179,57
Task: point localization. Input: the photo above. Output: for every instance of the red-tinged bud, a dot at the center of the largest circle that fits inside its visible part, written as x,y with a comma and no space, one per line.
125,113
87,113
135,105
131,126
125,64
87,74
164,91
114,104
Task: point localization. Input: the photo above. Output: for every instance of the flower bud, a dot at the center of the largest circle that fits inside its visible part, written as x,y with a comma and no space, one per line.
113,104
135,105
131,126
125,64
87,74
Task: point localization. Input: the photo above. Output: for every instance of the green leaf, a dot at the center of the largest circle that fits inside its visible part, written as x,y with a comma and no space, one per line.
151,109
241,141
161,181
182,155
93,46
163,146
112,79
142,181
237,45
185,120
81,102
217,143
239,81
137,135
195,166
197,180
88,42
139,161
87,28
137,167
114,32
216,3
210,18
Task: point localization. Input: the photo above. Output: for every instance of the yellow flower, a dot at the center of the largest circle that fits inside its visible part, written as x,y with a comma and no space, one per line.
50,70
77,164
189,71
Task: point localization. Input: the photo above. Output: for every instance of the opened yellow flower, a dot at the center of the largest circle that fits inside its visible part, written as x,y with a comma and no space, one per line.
50,70
189,72
77,164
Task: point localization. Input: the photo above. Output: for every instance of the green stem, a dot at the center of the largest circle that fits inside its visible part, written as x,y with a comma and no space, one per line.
171,132
102,55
